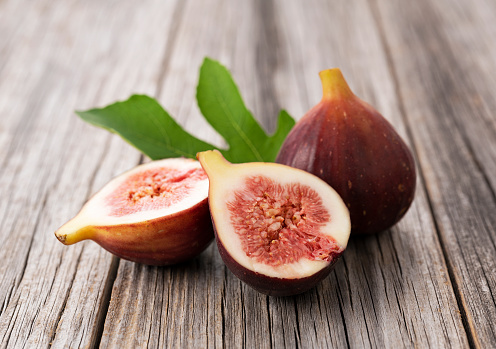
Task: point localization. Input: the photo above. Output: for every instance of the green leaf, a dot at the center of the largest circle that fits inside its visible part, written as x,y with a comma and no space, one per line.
143,123
221,104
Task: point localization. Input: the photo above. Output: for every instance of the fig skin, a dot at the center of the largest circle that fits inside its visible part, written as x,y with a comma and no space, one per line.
226,178
272,286
162,240
352,147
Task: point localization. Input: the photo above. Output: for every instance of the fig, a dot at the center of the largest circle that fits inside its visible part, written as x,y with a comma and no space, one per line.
353,148
278,229
156,214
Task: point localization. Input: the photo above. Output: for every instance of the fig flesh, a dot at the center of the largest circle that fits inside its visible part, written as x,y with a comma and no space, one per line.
352,147
278,229
156,214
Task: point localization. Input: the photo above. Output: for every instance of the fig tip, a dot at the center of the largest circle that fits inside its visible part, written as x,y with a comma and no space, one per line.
334,84
61,237
74,231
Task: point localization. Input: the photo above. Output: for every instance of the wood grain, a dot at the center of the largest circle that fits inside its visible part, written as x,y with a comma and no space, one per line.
378,308
51,293
450,100
357,299
427,282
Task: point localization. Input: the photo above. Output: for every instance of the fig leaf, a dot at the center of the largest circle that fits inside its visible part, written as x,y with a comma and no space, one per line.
143,123
222,106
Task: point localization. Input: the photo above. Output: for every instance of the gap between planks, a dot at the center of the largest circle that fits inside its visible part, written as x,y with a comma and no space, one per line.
114,266
472,338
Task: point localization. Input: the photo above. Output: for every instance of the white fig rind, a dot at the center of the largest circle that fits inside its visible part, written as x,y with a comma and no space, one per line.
96,211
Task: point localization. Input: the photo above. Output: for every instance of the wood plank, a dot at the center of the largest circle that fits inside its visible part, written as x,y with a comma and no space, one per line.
444,58
197,304
51,294
393,288
389,290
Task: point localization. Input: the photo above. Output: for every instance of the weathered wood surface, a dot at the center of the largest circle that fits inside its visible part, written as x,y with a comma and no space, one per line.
427,66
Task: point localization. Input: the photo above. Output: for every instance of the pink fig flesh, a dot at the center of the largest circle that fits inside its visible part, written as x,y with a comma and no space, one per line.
348,144
155,214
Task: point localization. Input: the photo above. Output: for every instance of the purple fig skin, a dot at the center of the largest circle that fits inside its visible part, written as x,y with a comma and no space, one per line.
272,286
348,144
162,241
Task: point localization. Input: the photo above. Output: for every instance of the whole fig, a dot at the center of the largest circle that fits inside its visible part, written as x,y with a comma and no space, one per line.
352,147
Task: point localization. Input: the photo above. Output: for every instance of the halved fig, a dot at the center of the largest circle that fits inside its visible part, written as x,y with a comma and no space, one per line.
156,214
279,229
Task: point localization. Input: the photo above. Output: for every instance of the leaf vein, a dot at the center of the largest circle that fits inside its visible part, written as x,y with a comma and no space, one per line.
237,128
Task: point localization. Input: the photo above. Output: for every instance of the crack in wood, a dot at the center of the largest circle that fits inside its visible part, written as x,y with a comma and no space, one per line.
343,319
267,300
67,295
402,312
297,327
367,326
7,298
396,257
105,302
347,279
371,294
35,228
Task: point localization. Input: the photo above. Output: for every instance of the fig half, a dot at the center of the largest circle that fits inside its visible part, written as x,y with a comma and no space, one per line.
278,229
352,147
156,214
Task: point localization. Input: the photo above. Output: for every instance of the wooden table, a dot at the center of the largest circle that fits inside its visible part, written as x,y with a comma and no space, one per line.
428,66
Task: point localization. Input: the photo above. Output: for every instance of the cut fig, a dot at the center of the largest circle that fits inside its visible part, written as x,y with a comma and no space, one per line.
156,214
348,144
278,229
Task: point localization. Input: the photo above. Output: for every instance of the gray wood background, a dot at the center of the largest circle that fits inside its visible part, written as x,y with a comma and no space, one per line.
428,66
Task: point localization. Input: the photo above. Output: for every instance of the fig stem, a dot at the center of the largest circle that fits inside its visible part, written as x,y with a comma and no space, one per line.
72,232
334,86
213,162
